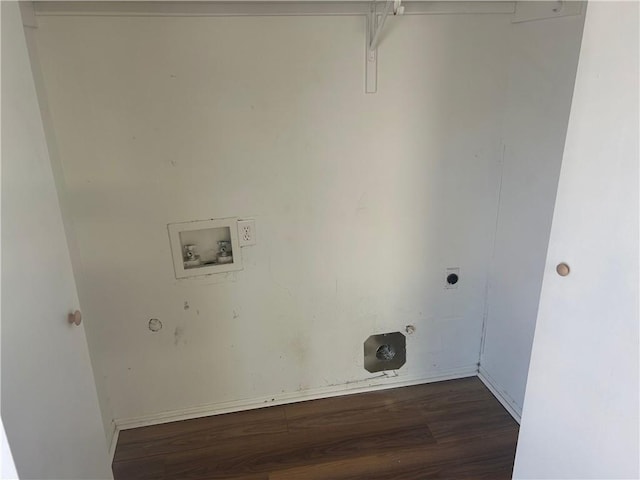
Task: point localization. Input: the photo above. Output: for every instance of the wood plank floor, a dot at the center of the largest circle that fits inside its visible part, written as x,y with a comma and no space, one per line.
454,429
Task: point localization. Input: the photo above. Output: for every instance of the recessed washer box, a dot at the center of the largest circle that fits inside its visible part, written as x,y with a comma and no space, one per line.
205,247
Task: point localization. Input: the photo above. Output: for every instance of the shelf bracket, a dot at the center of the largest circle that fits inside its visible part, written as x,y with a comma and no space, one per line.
375,24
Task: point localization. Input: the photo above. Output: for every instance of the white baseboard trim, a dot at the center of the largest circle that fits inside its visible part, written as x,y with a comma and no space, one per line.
381,382
507,402
114,441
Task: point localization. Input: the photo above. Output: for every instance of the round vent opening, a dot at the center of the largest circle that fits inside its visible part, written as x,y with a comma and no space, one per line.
385,352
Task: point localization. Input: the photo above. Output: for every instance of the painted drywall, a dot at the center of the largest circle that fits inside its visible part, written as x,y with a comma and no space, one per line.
543,57
49,401
30,21
361,201
581,417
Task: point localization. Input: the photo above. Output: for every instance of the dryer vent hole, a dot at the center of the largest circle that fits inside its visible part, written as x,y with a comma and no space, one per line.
385,353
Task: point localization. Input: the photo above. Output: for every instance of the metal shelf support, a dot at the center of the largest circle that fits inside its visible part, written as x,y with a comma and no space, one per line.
375,24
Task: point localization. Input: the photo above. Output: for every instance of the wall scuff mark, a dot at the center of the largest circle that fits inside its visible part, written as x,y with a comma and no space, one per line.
178,333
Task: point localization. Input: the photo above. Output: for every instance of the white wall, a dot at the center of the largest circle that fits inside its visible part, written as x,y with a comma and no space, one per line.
361,201
543,57
49,401
30,22
581,417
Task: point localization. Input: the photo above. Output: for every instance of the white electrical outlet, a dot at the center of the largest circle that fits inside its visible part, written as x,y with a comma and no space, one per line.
246,232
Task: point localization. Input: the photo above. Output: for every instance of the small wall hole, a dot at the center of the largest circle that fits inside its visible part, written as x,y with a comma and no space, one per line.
452,278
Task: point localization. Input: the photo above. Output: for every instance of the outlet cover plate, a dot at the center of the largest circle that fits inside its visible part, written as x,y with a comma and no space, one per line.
247,232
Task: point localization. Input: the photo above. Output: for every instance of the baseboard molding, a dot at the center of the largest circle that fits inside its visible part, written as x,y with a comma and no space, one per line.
507,402
381,382
114,441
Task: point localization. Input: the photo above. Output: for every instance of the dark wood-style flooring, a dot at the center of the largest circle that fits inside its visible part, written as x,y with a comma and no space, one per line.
454,429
